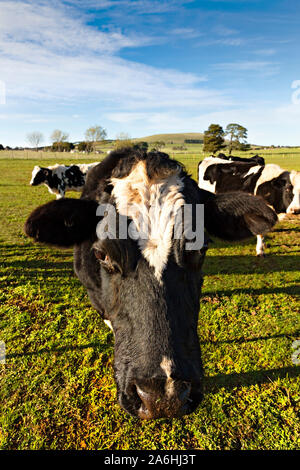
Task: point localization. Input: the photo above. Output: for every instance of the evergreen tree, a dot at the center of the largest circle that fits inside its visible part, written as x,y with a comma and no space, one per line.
237,137
214,139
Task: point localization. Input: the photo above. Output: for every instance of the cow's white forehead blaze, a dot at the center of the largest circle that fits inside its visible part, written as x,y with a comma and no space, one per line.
153,204
295,181
35,171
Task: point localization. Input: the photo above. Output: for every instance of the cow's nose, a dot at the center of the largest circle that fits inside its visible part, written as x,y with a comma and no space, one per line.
295,211
175,401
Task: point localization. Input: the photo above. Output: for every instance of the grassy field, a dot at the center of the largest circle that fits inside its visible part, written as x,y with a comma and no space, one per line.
57,388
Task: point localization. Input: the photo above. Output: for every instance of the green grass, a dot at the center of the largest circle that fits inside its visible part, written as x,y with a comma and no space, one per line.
57,389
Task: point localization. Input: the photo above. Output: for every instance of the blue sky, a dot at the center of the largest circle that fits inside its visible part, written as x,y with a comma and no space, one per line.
150,66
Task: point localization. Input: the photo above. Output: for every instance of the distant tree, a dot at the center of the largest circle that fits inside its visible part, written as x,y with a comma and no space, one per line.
123,140
85,147
237,137
1,147
123,136
57,138
67,146
213,139
35,139
95,134
82,146
141,146
158,145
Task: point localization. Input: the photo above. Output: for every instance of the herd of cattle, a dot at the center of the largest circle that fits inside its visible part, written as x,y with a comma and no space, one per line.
278,187
148,290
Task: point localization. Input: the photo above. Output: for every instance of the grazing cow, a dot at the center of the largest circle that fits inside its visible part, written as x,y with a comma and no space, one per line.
278,187
256,158
147,288
61,178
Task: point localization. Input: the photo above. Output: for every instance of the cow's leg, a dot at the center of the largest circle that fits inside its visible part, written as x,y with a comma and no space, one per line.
260,246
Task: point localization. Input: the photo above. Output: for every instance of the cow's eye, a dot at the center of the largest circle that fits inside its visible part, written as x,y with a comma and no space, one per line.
100,255
288,189
106,262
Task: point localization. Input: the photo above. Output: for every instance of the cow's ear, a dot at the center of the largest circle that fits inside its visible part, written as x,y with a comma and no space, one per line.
63,222
237,215
211,173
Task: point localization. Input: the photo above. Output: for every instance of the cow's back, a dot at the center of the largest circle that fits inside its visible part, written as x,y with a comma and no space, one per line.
221,176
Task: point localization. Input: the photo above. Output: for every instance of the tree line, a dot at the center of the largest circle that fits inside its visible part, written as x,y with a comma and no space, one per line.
213,141
60,142
214,138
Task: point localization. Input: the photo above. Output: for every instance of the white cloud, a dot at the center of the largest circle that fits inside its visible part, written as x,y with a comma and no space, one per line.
263,68
40,26
186,33
265,52
58,57
138,6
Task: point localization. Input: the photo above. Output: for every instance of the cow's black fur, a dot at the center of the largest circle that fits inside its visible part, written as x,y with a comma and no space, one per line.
232,176
255,159
157,364
278,192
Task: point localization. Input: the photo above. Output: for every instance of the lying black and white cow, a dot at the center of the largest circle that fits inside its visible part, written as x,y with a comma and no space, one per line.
278,187
147,288
256,159
61,178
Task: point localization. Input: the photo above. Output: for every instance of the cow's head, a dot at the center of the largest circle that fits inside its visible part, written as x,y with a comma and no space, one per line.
282,191
147,287
294,191
40,175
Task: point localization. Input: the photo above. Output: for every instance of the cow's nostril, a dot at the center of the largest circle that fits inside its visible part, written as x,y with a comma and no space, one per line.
175,401
147,401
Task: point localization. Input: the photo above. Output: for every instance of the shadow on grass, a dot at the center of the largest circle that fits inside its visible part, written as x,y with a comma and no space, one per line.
242,339
292,229
212,384
248,264
246,379
98,346
290,290
32,262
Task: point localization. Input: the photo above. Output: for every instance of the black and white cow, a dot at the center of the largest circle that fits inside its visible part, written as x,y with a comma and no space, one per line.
61,178
256,158
147,288
278,187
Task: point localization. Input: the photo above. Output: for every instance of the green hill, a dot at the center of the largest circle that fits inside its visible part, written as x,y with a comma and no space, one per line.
171,138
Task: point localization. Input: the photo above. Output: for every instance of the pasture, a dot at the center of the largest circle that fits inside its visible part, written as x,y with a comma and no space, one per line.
57,389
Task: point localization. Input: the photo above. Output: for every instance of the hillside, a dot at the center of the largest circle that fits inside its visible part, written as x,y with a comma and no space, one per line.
171,138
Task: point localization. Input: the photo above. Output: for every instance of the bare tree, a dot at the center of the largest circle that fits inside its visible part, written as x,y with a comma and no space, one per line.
123,136
123,140
57,138
95,134
35,139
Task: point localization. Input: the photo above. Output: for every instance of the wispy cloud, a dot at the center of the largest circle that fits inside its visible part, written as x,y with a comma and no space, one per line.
222,30
265,52
59,57
138,6
262,68
186,33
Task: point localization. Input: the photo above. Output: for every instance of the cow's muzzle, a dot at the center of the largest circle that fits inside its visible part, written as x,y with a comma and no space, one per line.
167,399
294,210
